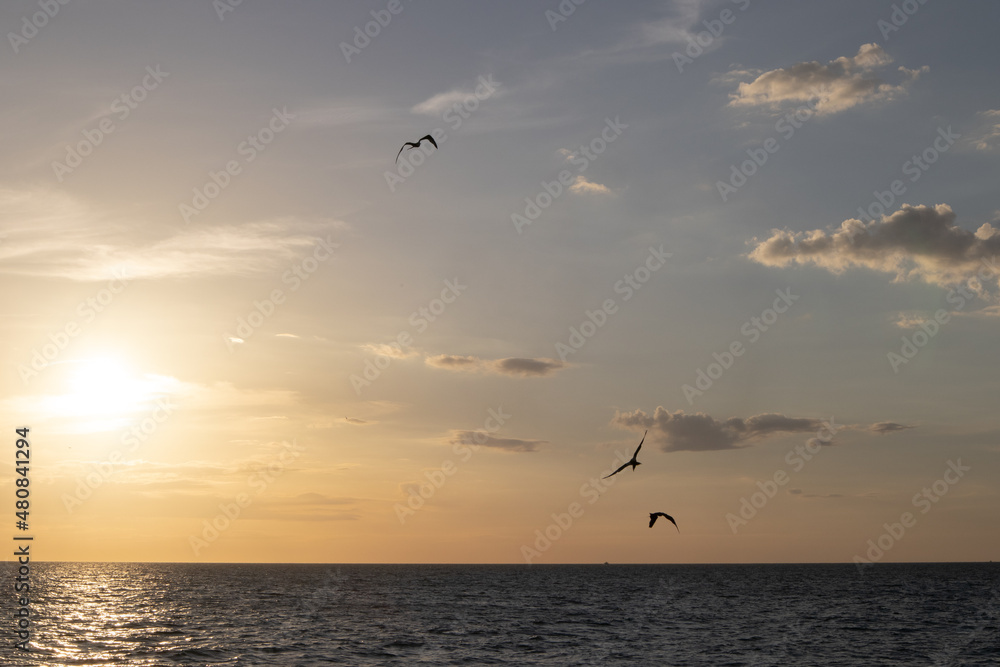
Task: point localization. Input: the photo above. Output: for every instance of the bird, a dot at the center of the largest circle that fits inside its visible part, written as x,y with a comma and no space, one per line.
415,144
633,462
653,516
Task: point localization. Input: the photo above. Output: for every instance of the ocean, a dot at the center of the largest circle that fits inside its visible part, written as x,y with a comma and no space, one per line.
132,614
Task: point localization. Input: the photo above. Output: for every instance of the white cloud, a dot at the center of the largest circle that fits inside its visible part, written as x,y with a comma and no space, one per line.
392,351
583,186
51,234
919,242
988,138
909,320
836,86
438,104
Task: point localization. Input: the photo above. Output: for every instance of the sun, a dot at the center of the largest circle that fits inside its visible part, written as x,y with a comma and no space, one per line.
102,376
102,387
102,393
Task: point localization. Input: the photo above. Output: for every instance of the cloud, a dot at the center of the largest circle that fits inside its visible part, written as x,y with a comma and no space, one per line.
915,242
658,31
681,28
837,86
305,507
312,498
583,186
481,439
192,476
356,422
700,432
510,366
340,111
408,489
390,350
51,234
909,320
800,494
533,367
454,362
888,427
440,103
988,138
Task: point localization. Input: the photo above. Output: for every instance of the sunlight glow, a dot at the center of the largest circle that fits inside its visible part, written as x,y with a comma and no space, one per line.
102,386
104,393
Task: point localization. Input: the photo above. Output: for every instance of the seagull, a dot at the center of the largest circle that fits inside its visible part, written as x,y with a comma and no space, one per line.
653,516
415,144
633,462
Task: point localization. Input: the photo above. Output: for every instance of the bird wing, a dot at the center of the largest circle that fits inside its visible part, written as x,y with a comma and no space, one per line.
640,446
624,465
430,139
400,153
653,515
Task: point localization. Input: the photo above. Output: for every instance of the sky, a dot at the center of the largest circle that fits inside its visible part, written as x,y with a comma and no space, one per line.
759,238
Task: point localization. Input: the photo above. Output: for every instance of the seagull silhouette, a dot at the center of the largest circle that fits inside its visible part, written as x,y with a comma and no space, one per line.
653,516
633,462
415,144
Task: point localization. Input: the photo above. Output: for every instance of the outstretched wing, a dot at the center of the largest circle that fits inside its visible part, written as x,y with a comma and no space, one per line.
401,152
653,515
430,139
624,465
640,446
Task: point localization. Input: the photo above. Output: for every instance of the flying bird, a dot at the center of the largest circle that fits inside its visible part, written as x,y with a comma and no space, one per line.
412,144
633,462
653,516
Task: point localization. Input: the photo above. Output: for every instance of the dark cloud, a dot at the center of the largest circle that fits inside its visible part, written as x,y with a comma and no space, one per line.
520,366
699,432
888,427
678,431
511,366
453,362
480,438
800,494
